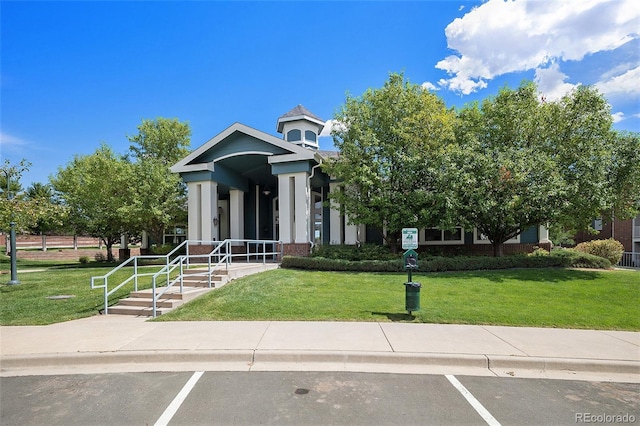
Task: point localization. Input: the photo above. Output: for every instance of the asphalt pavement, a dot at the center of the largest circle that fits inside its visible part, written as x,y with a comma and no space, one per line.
114,343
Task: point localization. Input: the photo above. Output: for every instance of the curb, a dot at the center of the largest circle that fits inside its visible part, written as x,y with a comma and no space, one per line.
280,360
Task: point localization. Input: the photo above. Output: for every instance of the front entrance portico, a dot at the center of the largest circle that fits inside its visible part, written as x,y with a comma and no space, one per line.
247,184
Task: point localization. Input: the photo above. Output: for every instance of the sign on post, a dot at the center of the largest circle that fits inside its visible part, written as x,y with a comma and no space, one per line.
409,238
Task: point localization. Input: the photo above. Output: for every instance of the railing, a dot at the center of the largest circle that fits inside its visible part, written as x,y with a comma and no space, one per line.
223,257
135,261
630,260
222,254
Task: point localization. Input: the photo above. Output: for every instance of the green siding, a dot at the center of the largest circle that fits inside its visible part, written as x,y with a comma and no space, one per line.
529,235
292,167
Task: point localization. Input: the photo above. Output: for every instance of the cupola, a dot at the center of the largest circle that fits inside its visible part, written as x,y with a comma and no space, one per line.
301,127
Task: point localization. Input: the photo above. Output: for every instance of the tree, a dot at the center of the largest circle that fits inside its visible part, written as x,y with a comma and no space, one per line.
160,195
623,176
12,173
52,214
389,140
164,139
522,162
98,191
13,206
577,134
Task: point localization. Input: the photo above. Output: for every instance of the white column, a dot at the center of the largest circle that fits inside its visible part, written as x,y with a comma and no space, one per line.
350,232
236,214
285,218
543,234
194,208
209,209
334,218
302,207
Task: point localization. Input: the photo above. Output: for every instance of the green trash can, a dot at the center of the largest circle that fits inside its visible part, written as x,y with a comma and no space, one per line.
412,296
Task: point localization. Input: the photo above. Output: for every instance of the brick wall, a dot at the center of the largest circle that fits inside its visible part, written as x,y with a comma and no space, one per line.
296,249
67,254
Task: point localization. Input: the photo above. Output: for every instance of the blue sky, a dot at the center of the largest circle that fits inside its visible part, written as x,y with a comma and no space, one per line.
75,74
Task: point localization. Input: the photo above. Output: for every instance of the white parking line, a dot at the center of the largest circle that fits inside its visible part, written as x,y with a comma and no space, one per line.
171,410
473,401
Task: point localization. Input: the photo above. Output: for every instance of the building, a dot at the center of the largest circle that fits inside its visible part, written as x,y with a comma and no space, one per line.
626,231
247,184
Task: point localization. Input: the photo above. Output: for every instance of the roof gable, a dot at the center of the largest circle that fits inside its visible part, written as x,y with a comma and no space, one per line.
239,139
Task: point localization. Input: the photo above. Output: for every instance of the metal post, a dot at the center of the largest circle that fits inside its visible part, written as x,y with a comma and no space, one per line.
14,269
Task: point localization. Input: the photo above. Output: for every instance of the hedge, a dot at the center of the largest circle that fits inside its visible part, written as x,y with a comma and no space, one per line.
558,258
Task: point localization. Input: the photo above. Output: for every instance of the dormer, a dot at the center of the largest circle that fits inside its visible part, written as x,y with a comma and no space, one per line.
301,127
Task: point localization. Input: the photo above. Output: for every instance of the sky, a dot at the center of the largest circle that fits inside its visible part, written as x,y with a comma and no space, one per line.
75,74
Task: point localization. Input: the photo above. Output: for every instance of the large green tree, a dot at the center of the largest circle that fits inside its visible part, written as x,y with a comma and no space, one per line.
160,195
52,214
98,190
623,176
389,141
521,161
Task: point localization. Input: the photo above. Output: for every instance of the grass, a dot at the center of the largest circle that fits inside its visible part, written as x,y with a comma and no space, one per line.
523,297
28,303
539,297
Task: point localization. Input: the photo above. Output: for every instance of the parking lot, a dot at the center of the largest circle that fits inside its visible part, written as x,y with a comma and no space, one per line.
249,398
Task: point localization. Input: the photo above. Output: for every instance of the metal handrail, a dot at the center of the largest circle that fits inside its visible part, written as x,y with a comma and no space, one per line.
134,276
181,261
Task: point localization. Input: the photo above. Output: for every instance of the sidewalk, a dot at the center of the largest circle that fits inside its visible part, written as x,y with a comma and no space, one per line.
116,343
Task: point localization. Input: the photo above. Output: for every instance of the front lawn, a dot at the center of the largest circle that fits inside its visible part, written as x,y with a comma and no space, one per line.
595,299
29,302
523,297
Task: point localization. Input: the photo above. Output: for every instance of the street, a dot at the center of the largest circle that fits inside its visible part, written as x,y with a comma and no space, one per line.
250,398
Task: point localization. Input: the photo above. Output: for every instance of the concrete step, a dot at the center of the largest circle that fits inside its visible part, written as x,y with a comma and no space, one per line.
200,270
136,310
148,302
140,303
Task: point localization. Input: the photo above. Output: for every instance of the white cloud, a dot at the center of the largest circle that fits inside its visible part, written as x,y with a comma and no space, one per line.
627,83
429,86
9,141
328,127
551,82
617,117
500,37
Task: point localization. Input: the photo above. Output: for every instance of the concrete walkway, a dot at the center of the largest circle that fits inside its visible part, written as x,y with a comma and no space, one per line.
115,343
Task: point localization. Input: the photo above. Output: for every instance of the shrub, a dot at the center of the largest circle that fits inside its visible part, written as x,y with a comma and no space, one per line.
539,251
607,249
161,250
354,252
557,258
84,259
100,257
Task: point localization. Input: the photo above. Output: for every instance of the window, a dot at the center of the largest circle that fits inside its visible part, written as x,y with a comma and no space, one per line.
310,136
480,238
440,236
294,135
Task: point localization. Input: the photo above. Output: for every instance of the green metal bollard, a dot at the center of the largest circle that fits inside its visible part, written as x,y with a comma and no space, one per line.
412,296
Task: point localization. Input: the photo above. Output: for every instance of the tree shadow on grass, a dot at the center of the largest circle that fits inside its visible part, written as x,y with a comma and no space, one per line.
395,316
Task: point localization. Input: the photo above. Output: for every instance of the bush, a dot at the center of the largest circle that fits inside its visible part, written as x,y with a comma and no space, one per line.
84,259
557,258
100,257
607,249
162,250
539,251
354,252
